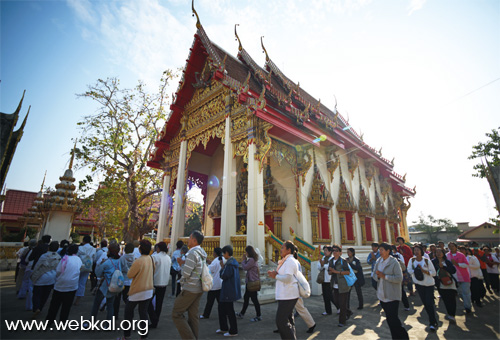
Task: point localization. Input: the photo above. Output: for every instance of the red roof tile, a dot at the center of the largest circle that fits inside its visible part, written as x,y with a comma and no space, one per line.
17,202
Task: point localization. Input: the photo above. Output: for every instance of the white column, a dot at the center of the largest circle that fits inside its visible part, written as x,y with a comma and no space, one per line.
178,218
255,209
375,231
388,233
357,229
228,210
337,239
163,231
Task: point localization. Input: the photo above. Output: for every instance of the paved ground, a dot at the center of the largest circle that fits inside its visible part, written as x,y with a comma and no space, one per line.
368,323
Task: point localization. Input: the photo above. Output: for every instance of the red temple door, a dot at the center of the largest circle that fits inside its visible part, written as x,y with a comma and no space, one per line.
216,226
269,221
368,228
349,226
324,221
383,230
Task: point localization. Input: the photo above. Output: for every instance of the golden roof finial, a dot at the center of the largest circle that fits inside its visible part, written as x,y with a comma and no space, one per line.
264,49
240,47
72,156
43,182
198,24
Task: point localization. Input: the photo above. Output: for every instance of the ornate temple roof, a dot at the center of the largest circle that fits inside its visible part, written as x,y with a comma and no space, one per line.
297,116
10,138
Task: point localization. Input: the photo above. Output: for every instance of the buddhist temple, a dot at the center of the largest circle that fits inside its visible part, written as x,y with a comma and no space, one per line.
273,163
9,139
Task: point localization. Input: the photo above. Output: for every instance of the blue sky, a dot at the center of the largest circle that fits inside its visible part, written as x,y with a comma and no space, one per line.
411,75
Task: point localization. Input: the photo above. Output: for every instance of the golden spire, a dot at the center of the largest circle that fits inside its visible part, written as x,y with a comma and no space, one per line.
198,24
72,156
264,49
240,47
43,182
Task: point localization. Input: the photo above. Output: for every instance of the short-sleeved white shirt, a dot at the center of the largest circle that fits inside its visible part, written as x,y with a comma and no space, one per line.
288,291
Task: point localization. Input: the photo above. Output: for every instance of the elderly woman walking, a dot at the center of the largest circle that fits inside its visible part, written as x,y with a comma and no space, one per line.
389,276
287,290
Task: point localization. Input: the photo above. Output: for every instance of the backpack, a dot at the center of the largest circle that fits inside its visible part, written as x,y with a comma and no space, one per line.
205,277
86,261
116,284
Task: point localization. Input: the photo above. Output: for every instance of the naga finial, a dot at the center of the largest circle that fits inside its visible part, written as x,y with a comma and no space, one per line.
335,107
392,162
264,49
240,47
198,24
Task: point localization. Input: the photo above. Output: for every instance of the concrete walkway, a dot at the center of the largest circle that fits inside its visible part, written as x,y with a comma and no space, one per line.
368,323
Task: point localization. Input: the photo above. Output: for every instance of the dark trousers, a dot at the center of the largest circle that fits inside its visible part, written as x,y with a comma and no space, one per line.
374,284
175,277
426,294
246,299
326,289
226,312
359,293
154,312
284,319
109,305
493,281
63,300
449,297
211,297
391,315
477,290
122,295
404,298
340,300
129,314
40,296
486,278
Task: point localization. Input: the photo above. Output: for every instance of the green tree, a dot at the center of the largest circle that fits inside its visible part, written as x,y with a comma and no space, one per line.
116,142
490,150
195,217
431,226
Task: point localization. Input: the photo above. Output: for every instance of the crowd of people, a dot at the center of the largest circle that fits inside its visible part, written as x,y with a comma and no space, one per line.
63,269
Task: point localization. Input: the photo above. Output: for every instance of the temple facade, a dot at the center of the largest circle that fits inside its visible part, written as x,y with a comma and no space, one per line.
273,163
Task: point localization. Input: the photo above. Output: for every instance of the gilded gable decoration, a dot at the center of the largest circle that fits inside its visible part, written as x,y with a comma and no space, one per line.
304,161
263,142
369,171
240,148
333,160
364,204
352,161
379,207
345,201
319,197
385,187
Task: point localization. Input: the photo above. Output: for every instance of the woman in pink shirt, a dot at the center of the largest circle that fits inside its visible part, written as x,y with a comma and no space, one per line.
462,275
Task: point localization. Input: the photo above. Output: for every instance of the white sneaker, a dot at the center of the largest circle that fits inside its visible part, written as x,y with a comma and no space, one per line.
338,311
229,334
219,331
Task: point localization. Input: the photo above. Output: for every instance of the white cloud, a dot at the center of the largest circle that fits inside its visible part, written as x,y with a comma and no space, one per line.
415,5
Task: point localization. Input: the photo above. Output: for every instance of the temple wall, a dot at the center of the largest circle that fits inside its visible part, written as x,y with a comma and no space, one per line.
284,176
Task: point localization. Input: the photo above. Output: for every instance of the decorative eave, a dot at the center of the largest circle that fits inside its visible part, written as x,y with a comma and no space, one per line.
345,201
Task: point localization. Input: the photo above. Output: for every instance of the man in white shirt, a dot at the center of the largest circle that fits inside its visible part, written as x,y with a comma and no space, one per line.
86,253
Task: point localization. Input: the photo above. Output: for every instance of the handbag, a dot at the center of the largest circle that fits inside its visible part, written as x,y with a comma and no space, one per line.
304,288
253,286
351,278
321,276
444,277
